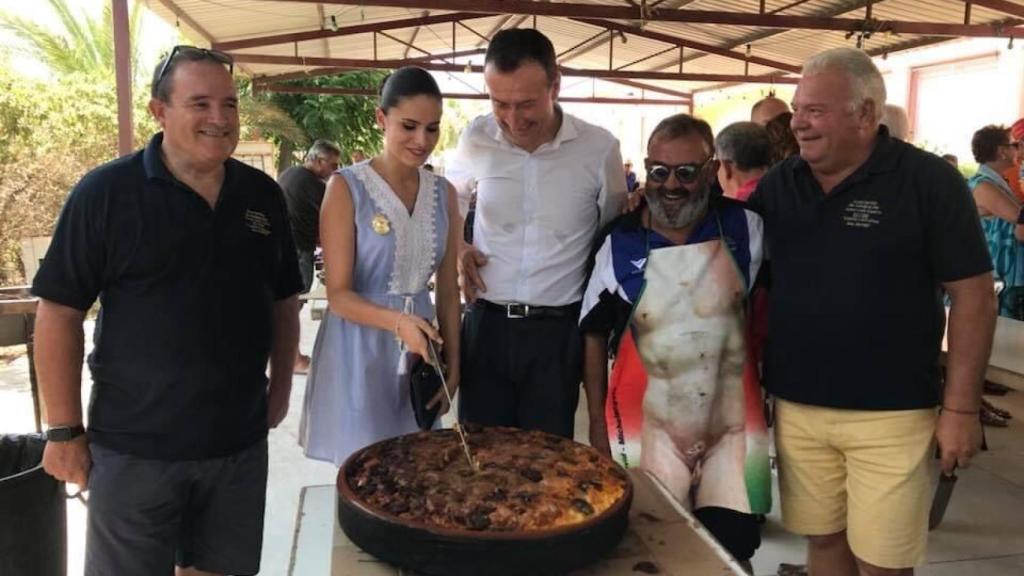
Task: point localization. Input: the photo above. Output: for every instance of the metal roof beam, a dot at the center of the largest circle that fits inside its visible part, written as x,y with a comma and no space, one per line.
415,33
670,39
323,21
335,70
574,10
844,8
446,67
467,96
657,89
999,6
331,71
908,45
184,17
344,31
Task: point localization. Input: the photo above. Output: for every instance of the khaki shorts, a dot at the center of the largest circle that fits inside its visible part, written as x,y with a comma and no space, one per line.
863,471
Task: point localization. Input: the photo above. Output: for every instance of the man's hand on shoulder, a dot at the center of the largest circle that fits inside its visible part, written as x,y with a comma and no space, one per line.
69,461
470,262
633,201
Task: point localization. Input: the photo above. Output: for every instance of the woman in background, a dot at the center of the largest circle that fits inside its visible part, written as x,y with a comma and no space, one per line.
1000,214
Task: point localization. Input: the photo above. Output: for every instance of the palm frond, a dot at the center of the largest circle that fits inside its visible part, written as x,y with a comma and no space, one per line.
81,38
41,43
79,44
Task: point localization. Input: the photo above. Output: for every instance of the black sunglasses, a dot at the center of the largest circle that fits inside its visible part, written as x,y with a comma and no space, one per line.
659,173
193,53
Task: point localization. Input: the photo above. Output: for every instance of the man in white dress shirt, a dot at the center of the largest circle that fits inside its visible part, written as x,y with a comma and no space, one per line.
546,182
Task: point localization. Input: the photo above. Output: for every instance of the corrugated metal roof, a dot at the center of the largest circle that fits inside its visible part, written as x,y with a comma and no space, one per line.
230,20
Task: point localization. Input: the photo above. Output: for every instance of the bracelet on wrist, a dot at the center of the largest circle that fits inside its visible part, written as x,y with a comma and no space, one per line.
964,412
398,324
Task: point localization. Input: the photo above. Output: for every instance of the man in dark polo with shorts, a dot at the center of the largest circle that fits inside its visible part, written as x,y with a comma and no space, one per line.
191,256
866,232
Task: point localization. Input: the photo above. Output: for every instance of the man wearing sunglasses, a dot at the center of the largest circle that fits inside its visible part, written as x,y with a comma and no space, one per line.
666,300
191,255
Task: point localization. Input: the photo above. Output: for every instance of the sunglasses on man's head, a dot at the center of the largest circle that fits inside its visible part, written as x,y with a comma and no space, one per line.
194,54
659,173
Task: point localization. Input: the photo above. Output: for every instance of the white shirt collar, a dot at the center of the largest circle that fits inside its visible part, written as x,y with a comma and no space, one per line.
566,132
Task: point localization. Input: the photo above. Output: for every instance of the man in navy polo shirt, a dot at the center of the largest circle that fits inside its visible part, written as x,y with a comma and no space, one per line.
191,256
865,232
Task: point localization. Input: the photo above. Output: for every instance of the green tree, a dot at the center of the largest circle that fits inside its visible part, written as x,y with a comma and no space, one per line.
347,120
51,133
457,116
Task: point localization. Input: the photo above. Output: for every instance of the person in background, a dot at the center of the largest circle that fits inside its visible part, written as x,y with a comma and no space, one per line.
952,159
546,181
1014,175
864,232
744,154
303,188
896,120
357,156
631,182
388,225
191,256
1001,216
780,133
766,109
667,299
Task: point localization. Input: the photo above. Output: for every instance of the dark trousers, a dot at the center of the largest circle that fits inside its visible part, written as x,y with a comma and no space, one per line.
520,372
306,269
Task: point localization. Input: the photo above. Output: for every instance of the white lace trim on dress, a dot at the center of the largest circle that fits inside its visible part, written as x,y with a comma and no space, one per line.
415,236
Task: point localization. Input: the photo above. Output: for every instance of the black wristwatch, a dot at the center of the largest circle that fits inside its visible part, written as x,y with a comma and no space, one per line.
64,433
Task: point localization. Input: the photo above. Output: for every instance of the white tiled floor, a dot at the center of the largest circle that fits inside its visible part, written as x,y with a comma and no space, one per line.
982,534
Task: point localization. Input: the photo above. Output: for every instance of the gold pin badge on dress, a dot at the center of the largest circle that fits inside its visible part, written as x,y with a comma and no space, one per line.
380,224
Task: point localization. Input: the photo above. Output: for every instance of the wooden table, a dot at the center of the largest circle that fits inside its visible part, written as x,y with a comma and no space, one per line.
660,532
1006,364
17,324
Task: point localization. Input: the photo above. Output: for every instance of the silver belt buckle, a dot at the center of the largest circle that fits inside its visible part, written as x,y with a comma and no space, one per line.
517,310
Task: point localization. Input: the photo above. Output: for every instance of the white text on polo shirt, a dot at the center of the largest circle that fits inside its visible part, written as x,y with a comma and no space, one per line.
257,222
862,213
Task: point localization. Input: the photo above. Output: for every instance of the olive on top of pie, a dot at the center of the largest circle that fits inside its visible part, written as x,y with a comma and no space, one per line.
527,480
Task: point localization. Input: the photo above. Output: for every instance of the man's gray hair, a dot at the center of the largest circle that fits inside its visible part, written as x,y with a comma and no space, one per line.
866,81
746,144
322,149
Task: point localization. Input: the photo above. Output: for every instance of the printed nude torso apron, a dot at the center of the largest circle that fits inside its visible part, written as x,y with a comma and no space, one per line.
684,399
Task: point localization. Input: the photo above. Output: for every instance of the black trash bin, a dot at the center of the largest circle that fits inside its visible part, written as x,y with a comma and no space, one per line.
33,525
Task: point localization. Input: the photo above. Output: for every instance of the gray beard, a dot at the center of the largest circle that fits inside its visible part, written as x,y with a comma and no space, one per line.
682,217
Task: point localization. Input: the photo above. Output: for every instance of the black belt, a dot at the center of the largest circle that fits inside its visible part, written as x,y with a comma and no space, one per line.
516,310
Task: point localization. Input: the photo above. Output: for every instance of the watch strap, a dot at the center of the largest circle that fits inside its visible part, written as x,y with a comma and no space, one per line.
64,433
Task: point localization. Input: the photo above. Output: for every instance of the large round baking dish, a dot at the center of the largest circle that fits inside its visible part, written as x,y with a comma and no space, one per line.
437,551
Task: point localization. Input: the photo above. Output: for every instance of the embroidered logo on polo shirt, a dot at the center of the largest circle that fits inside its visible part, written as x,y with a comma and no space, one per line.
639,264
258,222
862,214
